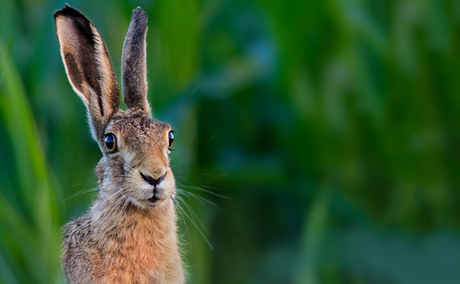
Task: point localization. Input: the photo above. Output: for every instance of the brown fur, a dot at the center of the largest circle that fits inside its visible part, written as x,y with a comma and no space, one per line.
129,233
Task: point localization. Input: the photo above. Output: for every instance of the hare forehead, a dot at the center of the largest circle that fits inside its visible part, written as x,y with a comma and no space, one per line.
141,130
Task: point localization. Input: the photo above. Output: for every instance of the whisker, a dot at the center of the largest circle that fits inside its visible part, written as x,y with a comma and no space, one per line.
83,191
184,222
193,214
204,190
177,157
198,230
202,200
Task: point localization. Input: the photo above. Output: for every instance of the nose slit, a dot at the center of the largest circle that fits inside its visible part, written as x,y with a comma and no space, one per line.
150,180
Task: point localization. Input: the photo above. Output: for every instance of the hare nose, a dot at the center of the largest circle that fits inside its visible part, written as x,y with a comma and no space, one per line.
150,180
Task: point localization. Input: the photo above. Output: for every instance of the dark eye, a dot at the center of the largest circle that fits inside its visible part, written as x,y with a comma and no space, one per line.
111,142
171,138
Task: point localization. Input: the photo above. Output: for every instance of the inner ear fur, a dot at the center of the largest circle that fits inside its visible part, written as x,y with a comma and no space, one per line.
134,65
88,67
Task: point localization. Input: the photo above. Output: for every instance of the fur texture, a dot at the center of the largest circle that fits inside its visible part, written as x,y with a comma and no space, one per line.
129,233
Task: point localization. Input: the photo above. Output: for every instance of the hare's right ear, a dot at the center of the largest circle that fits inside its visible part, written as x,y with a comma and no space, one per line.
88,67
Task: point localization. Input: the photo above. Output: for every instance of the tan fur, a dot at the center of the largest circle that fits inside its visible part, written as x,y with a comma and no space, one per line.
144,251
129,233
123,238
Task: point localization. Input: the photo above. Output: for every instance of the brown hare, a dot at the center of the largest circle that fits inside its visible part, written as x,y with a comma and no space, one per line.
129,233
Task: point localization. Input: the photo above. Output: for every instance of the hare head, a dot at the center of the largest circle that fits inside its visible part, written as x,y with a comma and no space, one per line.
135,167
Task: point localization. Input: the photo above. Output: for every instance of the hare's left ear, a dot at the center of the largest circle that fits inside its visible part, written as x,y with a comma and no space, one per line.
134,65
88,67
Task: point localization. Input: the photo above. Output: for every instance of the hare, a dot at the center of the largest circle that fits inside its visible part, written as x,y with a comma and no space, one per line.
129,233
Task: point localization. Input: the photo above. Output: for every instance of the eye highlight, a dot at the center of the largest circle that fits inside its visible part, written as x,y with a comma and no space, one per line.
111,142
171,138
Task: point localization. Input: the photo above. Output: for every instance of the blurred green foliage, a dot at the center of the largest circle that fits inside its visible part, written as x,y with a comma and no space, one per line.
316,141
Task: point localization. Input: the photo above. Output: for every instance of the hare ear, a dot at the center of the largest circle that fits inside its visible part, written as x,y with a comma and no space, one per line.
134,65
88,67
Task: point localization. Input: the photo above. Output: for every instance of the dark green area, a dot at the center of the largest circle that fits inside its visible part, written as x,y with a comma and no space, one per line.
331,128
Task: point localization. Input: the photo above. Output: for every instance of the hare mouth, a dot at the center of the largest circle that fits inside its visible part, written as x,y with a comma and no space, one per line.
153,199
157,194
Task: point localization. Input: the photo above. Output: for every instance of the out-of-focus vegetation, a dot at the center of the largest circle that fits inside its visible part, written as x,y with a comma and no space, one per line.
331,128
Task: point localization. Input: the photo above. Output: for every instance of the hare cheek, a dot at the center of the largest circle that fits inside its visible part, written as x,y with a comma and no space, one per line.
168,185
166,154
128,158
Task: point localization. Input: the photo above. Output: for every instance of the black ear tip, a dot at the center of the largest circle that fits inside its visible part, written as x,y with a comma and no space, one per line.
67,11
67,8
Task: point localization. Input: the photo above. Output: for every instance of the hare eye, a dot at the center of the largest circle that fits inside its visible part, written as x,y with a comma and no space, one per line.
111,142
171,138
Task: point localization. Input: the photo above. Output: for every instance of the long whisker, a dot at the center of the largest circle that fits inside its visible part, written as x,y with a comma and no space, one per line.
204,190
198,229
182,219
202,200
83,191
193,214
179,208
178,157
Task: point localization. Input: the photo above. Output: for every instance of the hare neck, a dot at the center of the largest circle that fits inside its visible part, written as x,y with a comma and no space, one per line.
107,216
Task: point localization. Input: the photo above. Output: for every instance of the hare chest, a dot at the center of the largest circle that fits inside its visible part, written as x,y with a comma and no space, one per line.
136,253
138,249
126,262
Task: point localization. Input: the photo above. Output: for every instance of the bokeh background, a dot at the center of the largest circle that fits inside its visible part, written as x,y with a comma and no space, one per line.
316,141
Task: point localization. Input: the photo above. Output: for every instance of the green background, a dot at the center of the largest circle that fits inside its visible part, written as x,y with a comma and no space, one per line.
316,141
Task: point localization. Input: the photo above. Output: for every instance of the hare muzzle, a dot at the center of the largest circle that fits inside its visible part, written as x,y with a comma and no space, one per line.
157,189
